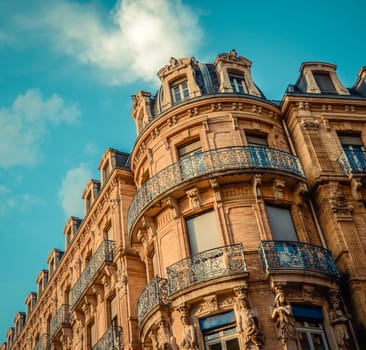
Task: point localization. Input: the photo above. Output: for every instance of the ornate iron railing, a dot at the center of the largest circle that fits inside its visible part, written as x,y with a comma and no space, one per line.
353,161
111,340
62,317
222,159
207,265
43,343
155,293
104,253
280,255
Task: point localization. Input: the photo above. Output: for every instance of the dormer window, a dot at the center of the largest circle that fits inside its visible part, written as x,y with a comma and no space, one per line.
237,83
324,82
179,91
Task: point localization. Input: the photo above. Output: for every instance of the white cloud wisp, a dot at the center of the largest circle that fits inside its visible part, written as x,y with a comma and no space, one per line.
138,39
72,187
26,122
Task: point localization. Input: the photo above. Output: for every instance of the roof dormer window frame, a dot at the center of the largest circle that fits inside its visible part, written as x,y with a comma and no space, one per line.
179,90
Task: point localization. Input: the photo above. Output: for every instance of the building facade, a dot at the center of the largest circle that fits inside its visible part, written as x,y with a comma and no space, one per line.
236,222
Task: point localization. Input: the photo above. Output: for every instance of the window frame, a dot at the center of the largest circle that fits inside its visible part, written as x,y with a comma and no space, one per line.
179,90
237,82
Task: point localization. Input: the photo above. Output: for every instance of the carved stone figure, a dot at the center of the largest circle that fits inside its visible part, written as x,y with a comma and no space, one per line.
165,341
189,340
339,321
283,317
253,337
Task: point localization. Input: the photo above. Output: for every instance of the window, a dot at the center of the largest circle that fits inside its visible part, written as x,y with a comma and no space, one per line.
281,223
180,91
324,82
91,335
203,232
237,83
109,232
257,140
192,161
309,328
113,311
190,148
219,332
354,150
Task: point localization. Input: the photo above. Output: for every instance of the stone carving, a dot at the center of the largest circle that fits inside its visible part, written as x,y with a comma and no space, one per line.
278,188
189,339
165,341
194,198
209,304
247,325
338,202
339,321
283,317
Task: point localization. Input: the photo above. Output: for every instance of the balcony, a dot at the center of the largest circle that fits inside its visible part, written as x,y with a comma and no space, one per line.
104,254
283,255
250,158
62,318
112,339
154,294
353,161
205,266
43,343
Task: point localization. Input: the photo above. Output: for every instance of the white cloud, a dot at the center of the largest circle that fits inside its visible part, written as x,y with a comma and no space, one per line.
10,200
90,149
26,122
139,38
72,187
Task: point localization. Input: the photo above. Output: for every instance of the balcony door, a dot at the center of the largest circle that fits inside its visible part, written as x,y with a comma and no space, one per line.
354,150
203,232
191,160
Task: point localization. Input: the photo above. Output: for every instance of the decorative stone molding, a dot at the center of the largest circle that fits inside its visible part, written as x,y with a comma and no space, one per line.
209,304
307,292
338,202
173,205
256,183
303,105
194,198
278,188
356,186
310,124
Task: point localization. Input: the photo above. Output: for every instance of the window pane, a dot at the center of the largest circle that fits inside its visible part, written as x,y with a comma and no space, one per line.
324,82
304,342
318,341
215,346
350,140
257,140
281,223
203,232
232,344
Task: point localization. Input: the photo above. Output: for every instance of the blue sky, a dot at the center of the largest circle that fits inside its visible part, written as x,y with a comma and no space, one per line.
67,73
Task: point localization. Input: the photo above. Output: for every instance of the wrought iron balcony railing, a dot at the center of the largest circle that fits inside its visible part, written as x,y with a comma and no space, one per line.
155,293
353,161
111,340
43,343
210,264
218,160
285,255
62,318
104,253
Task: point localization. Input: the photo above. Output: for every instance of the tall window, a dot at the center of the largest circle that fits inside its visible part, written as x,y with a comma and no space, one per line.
203,232
281,223
309,328
324,82
113,311
179,91
219,332
192,160
354,150
92,335
237,83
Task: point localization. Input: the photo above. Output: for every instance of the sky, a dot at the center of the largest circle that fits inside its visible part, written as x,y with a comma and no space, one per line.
68,70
